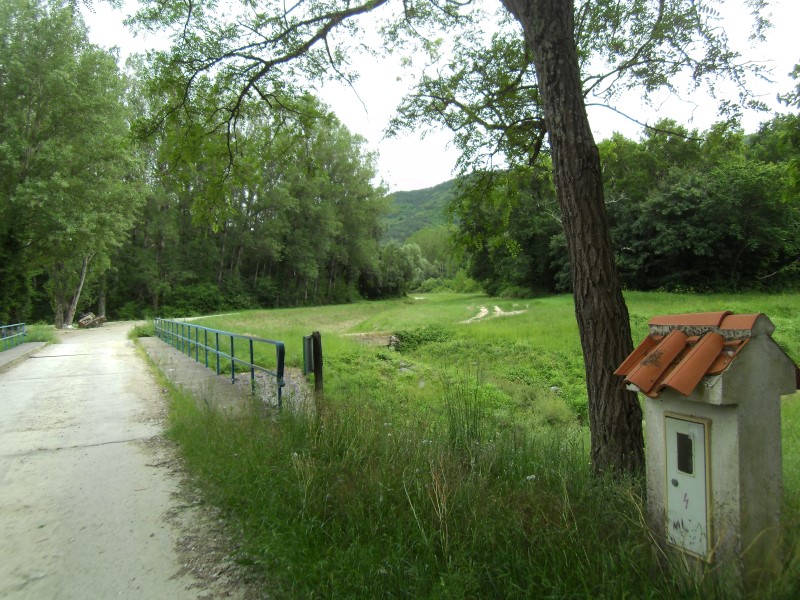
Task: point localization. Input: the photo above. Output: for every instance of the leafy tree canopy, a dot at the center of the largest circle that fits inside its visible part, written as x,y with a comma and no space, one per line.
67,170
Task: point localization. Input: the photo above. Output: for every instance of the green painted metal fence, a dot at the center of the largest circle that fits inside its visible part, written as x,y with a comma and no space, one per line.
12,335
222,346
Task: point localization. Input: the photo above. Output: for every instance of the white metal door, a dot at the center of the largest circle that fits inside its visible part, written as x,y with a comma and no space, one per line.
687,484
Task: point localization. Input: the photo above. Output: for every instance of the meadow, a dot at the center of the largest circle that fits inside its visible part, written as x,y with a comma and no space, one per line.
456,464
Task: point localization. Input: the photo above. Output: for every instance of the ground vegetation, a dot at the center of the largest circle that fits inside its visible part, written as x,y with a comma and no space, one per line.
456,465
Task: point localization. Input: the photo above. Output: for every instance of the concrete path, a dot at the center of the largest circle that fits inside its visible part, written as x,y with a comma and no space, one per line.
88,501
15,355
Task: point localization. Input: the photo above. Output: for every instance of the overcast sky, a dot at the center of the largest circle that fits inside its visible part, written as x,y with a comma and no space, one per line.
410,162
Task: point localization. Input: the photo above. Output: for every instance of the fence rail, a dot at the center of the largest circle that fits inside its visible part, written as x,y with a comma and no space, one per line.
190,338
12,335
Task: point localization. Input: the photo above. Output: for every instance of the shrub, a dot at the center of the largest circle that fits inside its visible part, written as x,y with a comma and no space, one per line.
411,339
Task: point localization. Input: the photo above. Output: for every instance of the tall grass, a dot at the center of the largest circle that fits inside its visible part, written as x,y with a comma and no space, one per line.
455,468
349,504
40,332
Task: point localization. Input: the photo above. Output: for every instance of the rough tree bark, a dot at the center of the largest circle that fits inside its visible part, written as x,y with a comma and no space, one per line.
615,417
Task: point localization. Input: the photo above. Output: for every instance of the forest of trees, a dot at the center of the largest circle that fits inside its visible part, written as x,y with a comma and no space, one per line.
716,210
96,211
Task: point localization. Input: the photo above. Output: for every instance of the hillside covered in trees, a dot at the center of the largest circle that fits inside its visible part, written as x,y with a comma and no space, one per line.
413,210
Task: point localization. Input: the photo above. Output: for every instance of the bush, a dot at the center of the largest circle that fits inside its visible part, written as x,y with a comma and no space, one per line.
411,339
147,329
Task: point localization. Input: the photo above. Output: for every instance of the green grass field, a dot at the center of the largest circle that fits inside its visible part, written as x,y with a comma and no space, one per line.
457,465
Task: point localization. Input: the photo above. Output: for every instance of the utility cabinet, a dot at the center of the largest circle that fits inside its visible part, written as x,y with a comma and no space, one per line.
712,384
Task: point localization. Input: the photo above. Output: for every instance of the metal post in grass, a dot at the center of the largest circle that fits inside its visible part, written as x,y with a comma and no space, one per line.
252,371
233,360
279,367
317,351
205,344
196,344
216,346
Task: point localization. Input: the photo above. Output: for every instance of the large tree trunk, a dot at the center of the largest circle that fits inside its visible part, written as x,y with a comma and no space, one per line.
615,417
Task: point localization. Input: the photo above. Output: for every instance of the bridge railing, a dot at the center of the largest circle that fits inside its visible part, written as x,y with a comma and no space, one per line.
222,347
12,335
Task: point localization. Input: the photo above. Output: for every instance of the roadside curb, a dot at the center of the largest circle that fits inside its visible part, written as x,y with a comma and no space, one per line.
193,377
15,355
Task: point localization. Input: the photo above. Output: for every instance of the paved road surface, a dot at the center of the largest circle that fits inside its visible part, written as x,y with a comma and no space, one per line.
84,494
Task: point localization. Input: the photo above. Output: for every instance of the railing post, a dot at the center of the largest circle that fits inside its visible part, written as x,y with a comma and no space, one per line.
317,349
252,371
216,335
233,360
205,344
280,359
196,344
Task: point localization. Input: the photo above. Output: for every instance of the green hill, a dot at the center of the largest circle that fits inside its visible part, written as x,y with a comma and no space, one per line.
417,209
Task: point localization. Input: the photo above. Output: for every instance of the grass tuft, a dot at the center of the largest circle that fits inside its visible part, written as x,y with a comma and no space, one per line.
145,329
41,333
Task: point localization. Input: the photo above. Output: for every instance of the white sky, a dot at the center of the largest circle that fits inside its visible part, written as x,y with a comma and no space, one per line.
410,163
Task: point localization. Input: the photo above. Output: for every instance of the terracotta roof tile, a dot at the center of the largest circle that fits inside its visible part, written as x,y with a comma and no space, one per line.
653,366
682,349
636,356
710,319
694,366
743,322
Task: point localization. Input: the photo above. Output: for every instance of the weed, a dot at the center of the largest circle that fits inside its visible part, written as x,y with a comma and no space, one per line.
411,339
146,329
41,333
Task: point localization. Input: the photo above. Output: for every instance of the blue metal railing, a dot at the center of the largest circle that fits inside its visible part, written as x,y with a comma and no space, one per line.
186,337
12,335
